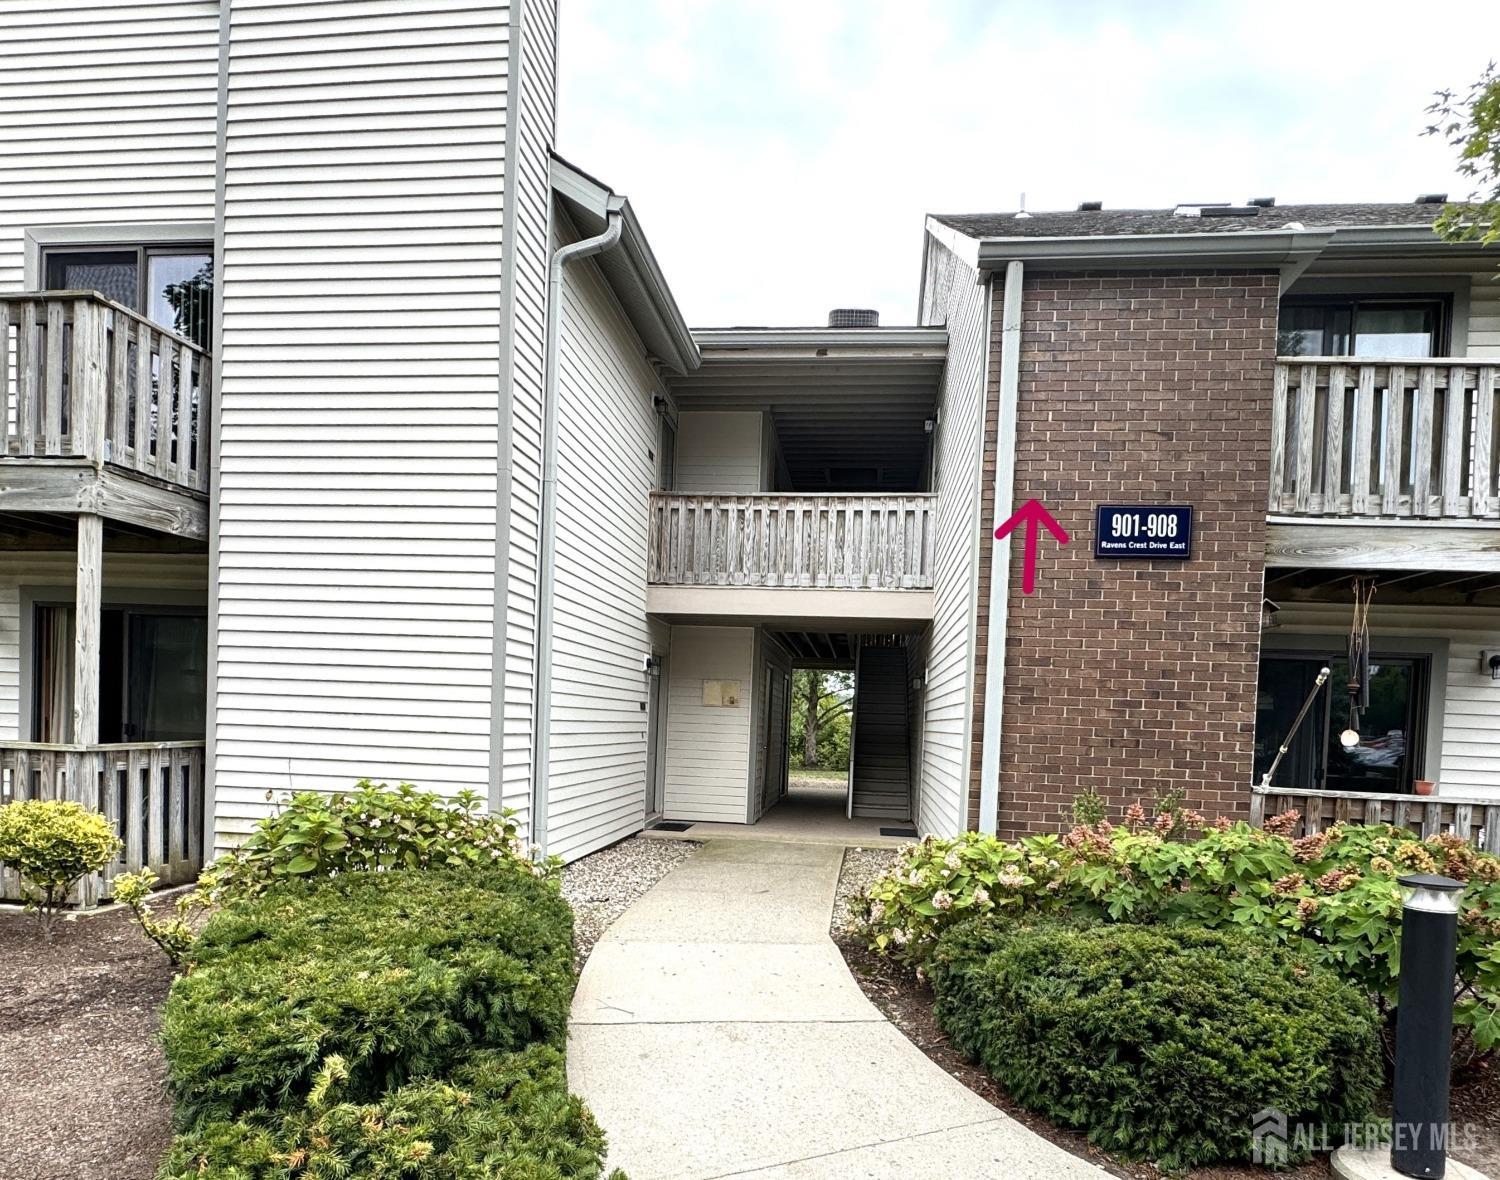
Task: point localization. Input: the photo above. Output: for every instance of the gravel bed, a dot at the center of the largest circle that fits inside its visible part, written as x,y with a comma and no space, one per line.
861,868
601,886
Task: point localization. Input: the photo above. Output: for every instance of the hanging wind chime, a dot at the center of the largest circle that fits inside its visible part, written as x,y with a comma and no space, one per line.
1359,659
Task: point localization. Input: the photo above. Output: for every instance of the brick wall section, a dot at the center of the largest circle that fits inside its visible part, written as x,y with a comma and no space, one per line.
1134,677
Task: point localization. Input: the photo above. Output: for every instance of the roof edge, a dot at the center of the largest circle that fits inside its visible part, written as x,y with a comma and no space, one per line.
578,188
815,337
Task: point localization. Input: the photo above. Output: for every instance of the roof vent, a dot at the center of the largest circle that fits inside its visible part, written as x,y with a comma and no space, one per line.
1262,202
1090,206
1432,199
1229,211
854,317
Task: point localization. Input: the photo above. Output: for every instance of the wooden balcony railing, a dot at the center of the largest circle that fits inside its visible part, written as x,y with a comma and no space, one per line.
1475,818
84,377
1385,438
882,542
153,793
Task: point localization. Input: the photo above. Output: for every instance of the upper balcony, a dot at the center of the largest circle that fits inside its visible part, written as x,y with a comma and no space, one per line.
798,477
1395,439
105,412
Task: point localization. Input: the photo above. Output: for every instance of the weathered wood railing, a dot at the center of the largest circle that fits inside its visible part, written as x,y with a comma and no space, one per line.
153,793
1392,438
84,377
1474,818
850,541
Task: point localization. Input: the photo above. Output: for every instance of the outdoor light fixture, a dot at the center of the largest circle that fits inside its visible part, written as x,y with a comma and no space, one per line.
1349,738
1424,1025
1489,661
929,425
1268,610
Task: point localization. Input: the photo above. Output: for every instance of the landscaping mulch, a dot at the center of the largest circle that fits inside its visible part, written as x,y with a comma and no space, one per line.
908,1004
81,1090
603,885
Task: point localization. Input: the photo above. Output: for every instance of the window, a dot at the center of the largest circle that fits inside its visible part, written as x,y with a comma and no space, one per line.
1389,754
1354,326
171,285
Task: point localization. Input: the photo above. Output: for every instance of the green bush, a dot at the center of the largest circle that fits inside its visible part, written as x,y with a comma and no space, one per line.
1159,1043
399,974
1333,896
372,827
52,845
498,1116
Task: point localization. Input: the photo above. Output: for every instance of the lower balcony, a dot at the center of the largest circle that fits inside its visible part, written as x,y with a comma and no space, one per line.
153,793
1472,817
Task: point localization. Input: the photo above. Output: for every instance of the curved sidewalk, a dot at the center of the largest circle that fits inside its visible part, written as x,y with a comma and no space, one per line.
717,1032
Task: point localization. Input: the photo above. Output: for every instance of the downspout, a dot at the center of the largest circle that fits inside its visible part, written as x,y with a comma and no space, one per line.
541,713
1005,497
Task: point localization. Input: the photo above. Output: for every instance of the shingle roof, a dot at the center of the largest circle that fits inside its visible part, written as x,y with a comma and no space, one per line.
1115,222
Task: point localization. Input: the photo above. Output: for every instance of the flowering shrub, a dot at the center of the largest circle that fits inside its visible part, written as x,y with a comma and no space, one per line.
371,828
1334,895
52,845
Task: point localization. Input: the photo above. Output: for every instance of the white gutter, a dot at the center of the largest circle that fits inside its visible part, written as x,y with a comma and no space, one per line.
1005,498
541,713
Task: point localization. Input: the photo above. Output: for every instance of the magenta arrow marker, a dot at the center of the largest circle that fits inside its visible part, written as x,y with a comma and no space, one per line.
1035,518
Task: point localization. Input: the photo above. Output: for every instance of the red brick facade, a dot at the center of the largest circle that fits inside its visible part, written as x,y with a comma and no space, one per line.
1134,677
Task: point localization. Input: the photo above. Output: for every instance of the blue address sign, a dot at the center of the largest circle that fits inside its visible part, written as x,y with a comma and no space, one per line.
1143,530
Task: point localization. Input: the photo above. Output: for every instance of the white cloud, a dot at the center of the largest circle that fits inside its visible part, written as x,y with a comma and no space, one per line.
782,153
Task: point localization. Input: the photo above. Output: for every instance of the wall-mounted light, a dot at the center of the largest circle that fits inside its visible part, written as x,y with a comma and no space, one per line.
929,425
1268,611
1489,661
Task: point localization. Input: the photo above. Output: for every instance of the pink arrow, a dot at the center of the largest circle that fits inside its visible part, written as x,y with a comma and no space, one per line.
1035,518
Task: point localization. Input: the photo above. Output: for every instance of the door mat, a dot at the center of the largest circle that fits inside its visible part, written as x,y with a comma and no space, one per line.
911,833
671,825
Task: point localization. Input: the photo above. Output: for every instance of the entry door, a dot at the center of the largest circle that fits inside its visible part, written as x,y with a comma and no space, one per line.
656,728
774,757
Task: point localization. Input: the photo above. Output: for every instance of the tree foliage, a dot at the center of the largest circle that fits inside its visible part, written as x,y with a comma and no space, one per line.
822,716
1471,125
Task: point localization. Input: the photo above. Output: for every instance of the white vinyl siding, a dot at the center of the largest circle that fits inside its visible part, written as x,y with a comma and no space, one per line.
125,574
531,203
1484,314
108,112
364,165
955,297
607,431
720,452
1470,735
708,746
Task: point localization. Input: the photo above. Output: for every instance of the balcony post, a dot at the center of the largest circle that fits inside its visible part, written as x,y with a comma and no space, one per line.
86,624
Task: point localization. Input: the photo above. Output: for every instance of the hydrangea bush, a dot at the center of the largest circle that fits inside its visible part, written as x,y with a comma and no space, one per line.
373,827
1333,895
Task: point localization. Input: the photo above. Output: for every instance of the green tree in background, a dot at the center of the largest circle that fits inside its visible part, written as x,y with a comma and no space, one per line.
1471,124
822,711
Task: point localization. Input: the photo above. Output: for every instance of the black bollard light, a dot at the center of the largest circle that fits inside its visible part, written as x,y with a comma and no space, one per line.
1424,1025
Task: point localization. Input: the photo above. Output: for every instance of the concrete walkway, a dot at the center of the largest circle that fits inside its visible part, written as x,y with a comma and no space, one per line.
716,1032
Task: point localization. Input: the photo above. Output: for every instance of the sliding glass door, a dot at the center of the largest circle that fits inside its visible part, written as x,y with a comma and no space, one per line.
1388,755
152,674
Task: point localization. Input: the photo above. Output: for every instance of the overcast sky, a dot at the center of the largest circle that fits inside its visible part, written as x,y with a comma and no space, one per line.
781,154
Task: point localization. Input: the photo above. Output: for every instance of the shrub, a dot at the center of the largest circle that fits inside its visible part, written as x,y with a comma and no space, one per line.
372,827
506,1116
1159,1043
174,935
399,974
1333,896
52,845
